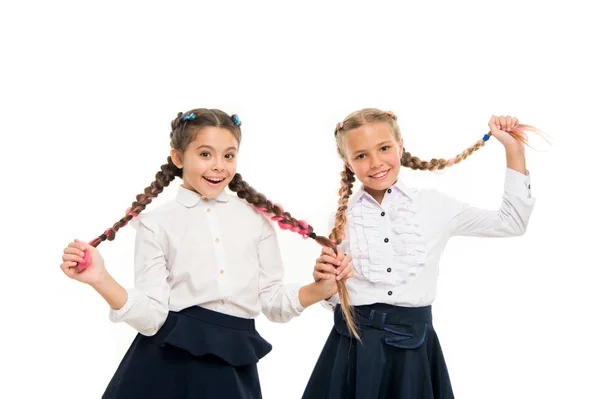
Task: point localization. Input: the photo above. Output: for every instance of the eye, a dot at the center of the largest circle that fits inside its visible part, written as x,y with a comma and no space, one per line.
360,156
205,154
230,156
385,148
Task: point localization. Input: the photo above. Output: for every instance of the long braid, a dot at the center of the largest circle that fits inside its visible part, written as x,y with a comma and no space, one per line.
168,172
416,163
410,161
287,222
338,233
337,236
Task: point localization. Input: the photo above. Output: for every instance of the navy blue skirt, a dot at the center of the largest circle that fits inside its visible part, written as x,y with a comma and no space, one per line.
399,357
198,353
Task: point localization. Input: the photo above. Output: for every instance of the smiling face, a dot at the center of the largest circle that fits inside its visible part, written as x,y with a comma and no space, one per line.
209,162
372,153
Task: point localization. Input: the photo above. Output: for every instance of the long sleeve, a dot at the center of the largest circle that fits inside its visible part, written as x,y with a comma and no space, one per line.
279,302
510,219
146,308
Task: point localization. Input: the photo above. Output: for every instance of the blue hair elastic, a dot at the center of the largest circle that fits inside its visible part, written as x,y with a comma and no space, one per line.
236,120
486,137
189,117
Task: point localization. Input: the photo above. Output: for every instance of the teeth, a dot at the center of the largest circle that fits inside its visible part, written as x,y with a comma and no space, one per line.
380,174
214,180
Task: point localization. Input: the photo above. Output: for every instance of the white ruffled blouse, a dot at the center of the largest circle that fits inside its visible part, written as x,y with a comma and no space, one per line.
396,245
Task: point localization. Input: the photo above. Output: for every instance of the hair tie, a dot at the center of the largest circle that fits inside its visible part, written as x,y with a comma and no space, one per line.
188,117
391,115
312,235
103,237
486,137
236,120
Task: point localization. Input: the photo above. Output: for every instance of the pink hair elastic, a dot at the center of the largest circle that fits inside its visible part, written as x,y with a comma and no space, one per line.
81,266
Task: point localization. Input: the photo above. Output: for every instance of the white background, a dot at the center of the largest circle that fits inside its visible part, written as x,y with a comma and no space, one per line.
88,90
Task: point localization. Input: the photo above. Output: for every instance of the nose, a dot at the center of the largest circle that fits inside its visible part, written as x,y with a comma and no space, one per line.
375,162
218,164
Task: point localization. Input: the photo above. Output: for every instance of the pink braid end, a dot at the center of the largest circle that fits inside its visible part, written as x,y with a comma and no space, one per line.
81,266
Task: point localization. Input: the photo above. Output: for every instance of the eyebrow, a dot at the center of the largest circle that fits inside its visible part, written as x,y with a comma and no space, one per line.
378,145
212,148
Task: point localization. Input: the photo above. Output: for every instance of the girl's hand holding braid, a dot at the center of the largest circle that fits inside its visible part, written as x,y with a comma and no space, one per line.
332,266
79,253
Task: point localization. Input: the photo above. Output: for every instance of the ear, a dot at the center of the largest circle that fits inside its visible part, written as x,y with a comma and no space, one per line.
176,158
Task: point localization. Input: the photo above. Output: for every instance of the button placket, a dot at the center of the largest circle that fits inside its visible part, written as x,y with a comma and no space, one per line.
220,255
386,234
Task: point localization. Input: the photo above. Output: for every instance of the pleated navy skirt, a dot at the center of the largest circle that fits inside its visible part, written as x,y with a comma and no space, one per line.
399,357
198,353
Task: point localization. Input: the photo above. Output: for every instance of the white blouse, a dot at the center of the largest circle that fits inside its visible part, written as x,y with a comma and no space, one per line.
220,254
396,246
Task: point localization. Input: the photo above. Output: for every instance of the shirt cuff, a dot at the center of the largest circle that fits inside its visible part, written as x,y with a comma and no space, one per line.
517,183
330,303
294,295
118,315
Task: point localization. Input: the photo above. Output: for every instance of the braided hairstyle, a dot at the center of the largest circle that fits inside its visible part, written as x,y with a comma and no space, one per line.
184,129
373,115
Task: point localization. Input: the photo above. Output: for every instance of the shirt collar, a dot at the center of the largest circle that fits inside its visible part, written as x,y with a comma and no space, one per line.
189,198
398,187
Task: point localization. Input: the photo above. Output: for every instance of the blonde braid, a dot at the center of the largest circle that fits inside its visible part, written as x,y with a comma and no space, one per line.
337,234
416,163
